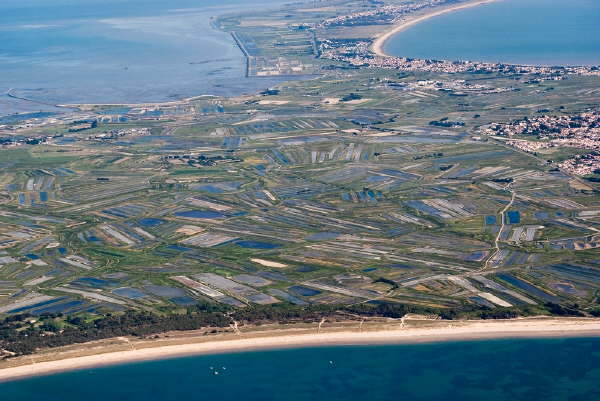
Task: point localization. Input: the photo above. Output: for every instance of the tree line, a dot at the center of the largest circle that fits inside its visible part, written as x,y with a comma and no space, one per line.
24,333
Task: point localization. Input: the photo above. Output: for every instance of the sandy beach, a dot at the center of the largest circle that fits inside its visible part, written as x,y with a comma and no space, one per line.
141,350
379,42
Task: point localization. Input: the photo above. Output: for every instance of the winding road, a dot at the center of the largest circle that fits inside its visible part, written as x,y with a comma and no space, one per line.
503,223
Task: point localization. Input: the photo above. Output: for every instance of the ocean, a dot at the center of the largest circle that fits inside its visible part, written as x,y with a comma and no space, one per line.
491,370
118,51
539,32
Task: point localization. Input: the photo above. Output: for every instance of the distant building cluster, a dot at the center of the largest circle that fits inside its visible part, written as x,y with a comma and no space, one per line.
583,164
455,86
115,134
200,160
358,53
581,131
274,66
13,141
383,14
529,146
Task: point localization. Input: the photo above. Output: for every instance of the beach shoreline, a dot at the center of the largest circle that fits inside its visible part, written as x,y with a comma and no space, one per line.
378,44
396,333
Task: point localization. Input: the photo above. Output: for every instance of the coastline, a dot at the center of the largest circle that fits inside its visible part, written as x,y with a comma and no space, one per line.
212,13
437,331
379,42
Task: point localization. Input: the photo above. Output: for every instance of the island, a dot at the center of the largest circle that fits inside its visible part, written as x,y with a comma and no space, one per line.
366,199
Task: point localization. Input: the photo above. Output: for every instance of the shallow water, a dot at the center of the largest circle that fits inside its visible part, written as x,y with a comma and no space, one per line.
544,32
93,51
200,214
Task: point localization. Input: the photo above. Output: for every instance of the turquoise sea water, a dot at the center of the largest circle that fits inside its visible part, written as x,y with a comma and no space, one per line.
544,32
529,370
103,51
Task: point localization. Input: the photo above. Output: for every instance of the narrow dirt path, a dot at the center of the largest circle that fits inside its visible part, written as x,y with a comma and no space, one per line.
502,225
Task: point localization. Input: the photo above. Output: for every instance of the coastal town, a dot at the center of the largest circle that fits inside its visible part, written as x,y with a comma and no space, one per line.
369,53
382,13
360,54
580,131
